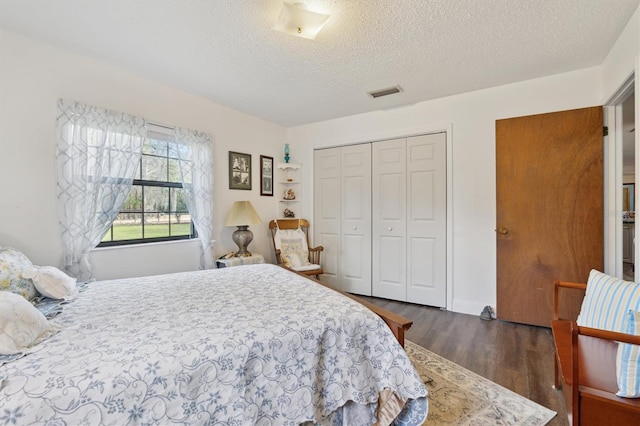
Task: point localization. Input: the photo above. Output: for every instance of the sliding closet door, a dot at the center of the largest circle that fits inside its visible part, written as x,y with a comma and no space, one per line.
380,213
355,266
328,212
409,219
389,185
427,219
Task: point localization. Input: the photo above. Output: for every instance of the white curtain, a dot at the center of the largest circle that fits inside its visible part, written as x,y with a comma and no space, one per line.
98,152
196,168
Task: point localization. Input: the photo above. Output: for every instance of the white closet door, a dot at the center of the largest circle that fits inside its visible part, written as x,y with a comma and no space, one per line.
327,212
355,266
426,219
389,185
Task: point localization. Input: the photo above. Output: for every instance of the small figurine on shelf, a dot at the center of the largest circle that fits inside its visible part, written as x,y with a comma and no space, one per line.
289,213
286,153
289,194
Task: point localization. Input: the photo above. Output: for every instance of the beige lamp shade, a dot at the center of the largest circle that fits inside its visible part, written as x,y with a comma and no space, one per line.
297,20
242,213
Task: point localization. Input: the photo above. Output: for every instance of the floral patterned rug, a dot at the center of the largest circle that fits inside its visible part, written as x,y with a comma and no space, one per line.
458,396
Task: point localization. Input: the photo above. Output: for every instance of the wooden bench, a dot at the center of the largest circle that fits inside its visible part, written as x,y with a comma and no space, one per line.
585,369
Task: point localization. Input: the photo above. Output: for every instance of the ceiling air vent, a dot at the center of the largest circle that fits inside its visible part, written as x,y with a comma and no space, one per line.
385,92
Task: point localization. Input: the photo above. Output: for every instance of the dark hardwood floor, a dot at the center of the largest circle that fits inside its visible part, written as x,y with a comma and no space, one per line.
518,357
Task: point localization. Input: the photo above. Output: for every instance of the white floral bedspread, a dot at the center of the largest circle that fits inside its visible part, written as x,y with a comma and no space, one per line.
235,346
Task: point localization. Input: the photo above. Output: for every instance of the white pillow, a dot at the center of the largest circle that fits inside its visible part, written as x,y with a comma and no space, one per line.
21,324
52,282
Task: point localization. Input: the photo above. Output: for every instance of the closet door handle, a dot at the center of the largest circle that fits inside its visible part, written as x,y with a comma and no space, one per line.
390,228
355,227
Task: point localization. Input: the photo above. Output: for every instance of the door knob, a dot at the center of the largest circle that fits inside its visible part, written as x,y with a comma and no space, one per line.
503,231
355,227
390,228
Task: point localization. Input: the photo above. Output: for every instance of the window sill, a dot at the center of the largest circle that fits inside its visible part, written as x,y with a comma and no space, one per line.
141,245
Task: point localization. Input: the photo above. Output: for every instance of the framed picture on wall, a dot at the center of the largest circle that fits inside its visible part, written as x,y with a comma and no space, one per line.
239,170
266,175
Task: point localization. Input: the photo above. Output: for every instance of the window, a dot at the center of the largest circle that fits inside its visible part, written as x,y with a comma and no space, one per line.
155,209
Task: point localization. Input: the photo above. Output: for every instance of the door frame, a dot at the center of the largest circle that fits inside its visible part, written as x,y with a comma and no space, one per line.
613,175
383,135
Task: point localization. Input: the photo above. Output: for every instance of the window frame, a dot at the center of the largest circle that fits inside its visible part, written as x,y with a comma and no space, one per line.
145,183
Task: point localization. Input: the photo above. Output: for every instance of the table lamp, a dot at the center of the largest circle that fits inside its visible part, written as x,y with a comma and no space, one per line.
242,215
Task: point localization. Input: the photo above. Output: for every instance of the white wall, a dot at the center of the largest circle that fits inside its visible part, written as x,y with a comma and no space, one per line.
32,78
620,62
472,118
619,68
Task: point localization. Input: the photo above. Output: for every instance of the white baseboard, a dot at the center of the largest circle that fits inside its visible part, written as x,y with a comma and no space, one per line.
469,307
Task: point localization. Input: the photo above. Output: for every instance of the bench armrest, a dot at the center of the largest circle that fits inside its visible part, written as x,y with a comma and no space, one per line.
609,335
556,295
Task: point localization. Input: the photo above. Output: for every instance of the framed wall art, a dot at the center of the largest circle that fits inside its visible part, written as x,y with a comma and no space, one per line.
239,170
266,175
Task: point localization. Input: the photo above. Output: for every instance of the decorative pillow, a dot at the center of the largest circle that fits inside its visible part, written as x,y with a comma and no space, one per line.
21,324
607,301
52,282
294,260
12,263
292,244
628,361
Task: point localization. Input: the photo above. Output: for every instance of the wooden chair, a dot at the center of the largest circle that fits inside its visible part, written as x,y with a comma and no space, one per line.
585,369
314,252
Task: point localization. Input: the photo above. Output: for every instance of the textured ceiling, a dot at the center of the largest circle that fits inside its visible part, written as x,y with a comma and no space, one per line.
226,51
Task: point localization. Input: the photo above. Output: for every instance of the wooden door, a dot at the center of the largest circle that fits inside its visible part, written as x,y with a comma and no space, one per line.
355,245
549,183
327,212
389,186
427,219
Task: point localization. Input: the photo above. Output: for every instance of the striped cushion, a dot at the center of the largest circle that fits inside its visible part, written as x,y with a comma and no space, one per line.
607,301
628,360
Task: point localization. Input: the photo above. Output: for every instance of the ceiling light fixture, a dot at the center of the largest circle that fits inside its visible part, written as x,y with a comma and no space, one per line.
297,20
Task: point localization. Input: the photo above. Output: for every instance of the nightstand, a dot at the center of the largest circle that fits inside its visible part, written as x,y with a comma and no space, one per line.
237,261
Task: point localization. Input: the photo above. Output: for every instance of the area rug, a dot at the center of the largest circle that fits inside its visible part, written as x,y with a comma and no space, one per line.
458,396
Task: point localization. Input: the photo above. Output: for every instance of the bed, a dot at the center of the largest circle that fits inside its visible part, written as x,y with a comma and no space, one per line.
254,344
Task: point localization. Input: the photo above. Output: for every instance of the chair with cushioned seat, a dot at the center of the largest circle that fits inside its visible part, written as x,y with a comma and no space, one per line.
597,355
290,239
